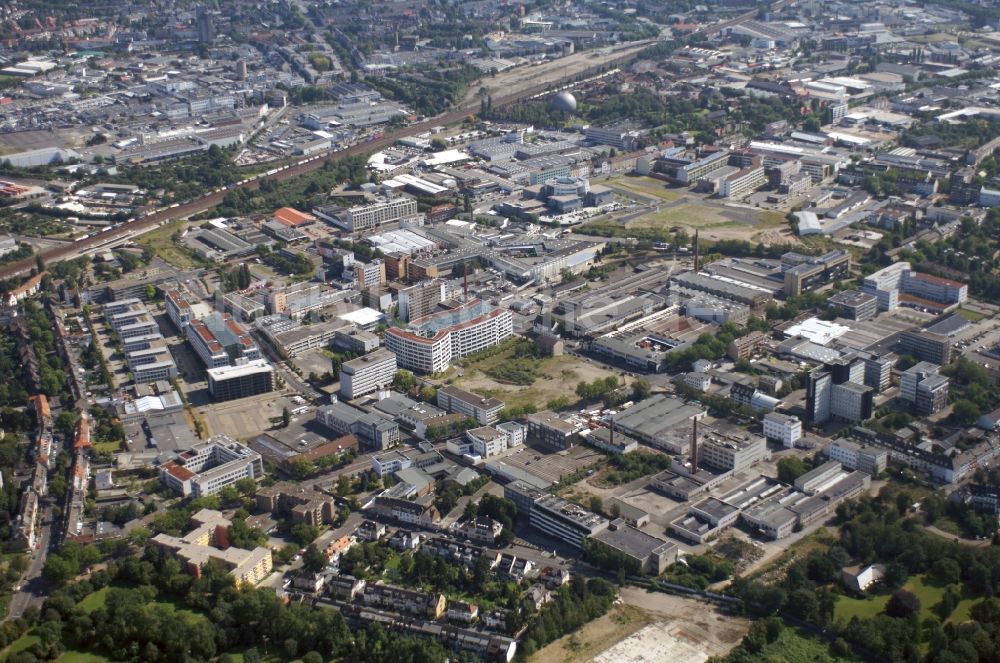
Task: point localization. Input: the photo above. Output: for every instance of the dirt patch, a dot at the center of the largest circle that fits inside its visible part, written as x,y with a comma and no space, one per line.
621,622
778,236
558,377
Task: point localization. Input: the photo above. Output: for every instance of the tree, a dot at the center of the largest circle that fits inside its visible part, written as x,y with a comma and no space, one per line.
641,389
965,411
301,467
902,604
596,504
438,145
314,560
790,468
286,417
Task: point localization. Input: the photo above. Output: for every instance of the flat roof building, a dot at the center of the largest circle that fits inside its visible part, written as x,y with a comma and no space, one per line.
226,383
367,374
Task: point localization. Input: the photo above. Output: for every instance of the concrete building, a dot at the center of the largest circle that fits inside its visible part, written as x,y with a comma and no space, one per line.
565,521
782,428
924,389
743,182
550,429
178,308
651,555
926,346
870,460
421,300
220,341
226,383
429,344
484,410
745,346
210,466
736,451
368,216
367,374
819,476
804,273
487,441
855,305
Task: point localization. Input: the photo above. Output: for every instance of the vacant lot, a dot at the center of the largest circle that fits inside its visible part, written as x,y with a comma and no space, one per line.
666,208
557,377
161,242
621,622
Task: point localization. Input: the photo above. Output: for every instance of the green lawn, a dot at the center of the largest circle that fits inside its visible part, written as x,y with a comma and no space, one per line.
82,657
92,602
848,607
929,595
26,641
161,242
971,316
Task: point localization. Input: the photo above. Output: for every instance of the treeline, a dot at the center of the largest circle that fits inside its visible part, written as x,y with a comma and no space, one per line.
575,604
139,621
629,467
299,192
431,91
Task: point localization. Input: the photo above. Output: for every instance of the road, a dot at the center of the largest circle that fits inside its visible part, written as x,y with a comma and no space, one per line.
33,589
289,376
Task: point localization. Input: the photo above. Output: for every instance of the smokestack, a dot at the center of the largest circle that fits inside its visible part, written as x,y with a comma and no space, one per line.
694,446
697,248
465,280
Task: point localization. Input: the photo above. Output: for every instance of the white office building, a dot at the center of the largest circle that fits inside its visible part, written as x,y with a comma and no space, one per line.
367,374
783,428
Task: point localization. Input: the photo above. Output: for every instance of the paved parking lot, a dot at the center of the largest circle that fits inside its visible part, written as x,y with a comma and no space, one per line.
244,417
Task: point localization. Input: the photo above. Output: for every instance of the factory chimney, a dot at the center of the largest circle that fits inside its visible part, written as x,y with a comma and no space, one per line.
694,446
697,249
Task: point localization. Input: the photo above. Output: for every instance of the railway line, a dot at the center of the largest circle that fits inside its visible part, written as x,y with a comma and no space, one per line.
145,223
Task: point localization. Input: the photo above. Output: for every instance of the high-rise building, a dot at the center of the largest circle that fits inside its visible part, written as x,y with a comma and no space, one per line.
226,383
420,300
367,374
205,26
924,388
429,344
838,389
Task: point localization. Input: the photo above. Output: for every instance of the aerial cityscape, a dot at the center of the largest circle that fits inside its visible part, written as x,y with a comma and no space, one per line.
478,331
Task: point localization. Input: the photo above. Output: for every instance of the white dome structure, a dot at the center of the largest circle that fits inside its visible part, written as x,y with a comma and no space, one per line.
564,101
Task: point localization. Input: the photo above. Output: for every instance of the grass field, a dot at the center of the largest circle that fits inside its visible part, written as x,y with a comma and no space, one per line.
161,242
971,316
796,646
646,186
111,447
92,602
929,595
558,378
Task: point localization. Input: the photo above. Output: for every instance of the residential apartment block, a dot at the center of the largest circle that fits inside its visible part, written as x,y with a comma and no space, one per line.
429,344
209,542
